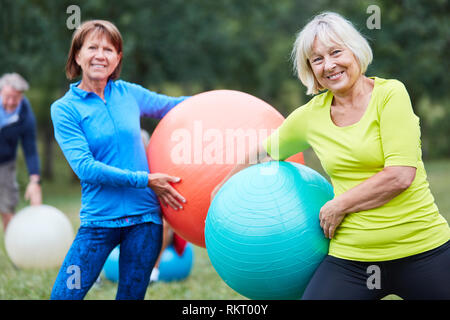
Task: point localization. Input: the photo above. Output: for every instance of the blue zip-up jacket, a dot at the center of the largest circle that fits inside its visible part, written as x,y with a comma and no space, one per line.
102,142
22,128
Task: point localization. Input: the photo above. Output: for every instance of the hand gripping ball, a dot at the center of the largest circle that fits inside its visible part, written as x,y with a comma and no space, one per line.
200,141
38,237
263,235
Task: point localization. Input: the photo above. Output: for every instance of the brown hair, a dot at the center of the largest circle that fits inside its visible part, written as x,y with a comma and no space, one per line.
102,27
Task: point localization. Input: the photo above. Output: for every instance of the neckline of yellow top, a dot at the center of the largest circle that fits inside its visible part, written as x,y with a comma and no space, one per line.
329,99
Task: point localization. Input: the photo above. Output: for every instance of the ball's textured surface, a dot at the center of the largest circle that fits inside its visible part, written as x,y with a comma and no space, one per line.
262,231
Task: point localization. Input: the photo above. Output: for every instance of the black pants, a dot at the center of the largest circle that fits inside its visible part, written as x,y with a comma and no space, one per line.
422,276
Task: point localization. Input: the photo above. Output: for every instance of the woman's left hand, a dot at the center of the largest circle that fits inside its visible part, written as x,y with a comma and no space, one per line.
330,217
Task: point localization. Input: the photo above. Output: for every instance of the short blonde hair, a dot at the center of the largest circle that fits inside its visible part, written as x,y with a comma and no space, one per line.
328,27
101,27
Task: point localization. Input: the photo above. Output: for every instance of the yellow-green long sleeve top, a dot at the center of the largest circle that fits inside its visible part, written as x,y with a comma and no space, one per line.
388,134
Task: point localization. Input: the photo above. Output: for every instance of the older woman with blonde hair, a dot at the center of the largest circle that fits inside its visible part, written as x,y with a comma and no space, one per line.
387,235
97,126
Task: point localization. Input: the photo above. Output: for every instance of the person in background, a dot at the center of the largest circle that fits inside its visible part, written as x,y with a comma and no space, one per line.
17,123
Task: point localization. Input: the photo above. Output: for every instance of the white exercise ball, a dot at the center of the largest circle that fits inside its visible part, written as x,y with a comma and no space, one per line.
38,237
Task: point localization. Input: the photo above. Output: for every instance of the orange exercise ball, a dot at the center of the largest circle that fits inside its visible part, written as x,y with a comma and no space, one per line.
200,141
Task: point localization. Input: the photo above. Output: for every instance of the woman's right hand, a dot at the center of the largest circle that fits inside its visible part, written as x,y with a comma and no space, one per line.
160,184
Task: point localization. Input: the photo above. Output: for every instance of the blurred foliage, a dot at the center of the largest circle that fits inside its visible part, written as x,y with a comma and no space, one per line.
185,47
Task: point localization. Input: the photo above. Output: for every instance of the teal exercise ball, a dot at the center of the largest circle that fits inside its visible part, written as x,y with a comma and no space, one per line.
111,266
174,267
262,231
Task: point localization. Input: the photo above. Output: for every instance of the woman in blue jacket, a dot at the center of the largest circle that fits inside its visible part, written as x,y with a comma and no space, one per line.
97,126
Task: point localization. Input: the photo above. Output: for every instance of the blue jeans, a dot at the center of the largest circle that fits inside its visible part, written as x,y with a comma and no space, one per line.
140,245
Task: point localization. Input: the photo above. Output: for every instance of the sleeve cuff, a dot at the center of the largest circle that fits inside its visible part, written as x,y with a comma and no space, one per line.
142,179
401,162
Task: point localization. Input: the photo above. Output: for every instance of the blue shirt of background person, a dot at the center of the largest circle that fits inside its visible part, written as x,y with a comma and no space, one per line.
7,118
101,140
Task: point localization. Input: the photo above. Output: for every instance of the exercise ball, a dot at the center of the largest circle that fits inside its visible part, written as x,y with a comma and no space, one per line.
174,267
263,235
200,141
111,266
38,237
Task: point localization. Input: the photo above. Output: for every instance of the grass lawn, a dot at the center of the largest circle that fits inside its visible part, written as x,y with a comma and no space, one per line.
203,283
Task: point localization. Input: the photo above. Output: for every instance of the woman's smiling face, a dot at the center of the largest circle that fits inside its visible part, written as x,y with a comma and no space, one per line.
98,58
334,66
